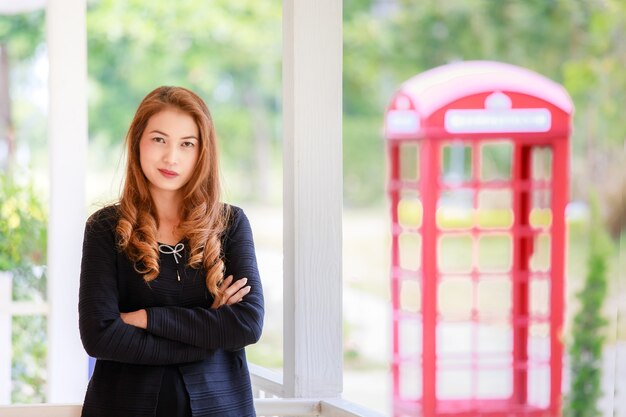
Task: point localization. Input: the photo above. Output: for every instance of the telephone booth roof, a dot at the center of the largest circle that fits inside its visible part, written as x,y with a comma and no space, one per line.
478,98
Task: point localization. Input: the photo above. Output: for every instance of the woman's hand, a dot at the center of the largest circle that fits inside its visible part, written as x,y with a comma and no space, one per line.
137,318
231,294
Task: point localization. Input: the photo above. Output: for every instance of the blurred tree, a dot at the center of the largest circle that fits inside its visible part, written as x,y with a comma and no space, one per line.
578,43
367,84
23,225
23,241
588,329
228,52
616,209
20,35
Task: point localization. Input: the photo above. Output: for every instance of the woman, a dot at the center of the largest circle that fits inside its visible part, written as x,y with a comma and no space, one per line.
169,288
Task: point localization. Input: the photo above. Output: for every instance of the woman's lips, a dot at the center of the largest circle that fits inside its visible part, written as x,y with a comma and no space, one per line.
168,174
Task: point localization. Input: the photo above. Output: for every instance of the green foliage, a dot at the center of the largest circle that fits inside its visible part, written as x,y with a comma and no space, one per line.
23,239
228,52
29,359
576,43
23,225
588,330
24,32
364,160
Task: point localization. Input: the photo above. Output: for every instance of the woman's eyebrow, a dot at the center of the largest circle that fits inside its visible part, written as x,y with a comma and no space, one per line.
160,133
165,134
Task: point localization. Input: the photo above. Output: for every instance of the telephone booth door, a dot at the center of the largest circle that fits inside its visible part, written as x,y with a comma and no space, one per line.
478,188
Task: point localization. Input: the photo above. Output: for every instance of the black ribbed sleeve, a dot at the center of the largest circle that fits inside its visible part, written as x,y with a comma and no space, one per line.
103,333
228,327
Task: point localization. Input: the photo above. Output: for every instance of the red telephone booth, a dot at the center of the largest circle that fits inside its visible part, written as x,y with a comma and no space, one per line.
478,184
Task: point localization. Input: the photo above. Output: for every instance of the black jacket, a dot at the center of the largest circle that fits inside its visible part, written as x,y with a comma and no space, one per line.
206,344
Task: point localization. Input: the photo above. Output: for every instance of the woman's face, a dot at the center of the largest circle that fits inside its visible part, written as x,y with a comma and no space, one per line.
169,149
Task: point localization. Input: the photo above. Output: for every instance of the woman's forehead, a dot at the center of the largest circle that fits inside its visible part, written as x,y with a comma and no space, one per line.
173,122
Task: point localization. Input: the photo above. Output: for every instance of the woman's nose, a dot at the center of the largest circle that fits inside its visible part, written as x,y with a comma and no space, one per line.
171,154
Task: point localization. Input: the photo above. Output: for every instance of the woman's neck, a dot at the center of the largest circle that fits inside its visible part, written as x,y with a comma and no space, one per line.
168,205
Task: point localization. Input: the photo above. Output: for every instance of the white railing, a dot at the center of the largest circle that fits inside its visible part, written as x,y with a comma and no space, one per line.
269,392
9,309
267,385
264,407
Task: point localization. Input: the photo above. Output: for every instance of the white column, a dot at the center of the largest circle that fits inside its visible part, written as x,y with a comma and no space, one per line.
67,143
312,115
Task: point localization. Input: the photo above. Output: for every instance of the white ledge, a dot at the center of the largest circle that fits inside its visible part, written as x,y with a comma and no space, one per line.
287,407
338,407
265,380
300,407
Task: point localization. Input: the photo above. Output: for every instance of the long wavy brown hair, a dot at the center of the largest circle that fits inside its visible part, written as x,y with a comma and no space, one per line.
203,216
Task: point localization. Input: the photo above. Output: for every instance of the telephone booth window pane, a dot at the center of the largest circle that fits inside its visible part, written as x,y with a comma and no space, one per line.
495,383
540,260
541,218
494,253
496,161
454,341
454,383
539,341
455,210
494,298
495,209
456,166
538,386
409,161
455,254
410,251
495,341
410,211
540,297
410,296
410,382
538,382
454,367
542,163
454,297
410,339
542,198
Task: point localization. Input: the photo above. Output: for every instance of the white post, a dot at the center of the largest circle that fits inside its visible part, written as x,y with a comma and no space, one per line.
312,193
6,298
67,134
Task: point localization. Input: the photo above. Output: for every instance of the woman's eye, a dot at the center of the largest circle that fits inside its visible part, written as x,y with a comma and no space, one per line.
188,144
158,139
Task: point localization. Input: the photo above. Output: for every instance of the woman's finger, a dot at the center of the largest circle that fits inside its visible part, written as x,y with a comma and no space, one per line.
236,286
226,283
238,296
222,287
231,291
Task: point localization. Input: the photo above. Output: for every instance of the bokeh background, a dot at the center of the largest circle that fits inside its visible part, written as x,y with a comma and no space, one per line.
229,52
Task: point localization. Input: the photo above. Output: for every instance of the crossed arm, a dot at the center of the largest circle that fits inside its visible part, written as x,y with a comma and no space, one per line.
231,293
167,335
